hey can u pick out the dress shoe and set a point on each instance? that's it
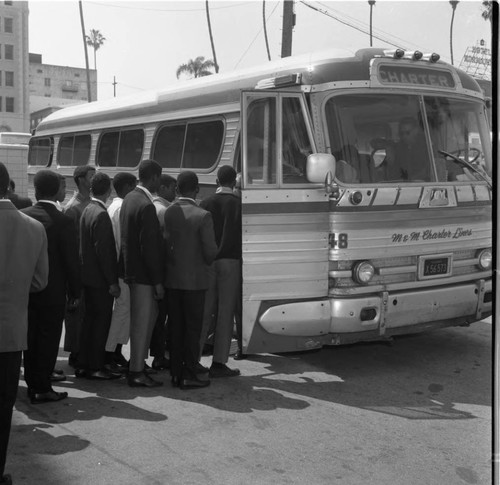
(101, 375)
(201, 372)
(51, 396)
(55, 377)
(222, 370)
(149, 370)
(239, 355)
(141, 379)
(115, 369)
(80, 373)
(193, 383)
(161, 363)
(6, 480)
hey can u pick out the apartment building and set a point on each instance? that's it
(14, 71)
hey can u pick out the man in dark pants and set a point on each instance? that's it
(25, 268)
(158, 346)
(141, 253)
(225, 208)
(100, 280)
(46, 308)
(190, 248)
(82, 176)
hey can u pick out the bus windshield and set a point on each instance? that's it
(384, 138)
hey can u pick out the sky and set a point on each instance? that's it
(147, 41)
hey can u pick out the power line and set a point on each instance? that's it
(255, 38)
(364, 24)
(328, 14)
(116, 5)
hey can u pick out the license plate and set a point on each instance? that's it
(435, 267)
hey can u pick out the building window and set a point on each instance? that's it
(7, 2)
(9, 105)
(39, 71)
(77, 75)
(8, 25)
(9, 78)
(9, 51)
(47, 81)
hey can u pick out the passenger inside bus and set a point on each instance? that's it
(408, 158)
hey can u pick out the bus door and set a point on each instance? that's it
(285, 227)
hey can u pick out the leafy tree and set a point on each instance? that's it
(95, 40)
(198, 67)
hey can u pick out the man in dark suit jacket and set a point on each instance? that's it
(24, 267)
(18, 200)
(141, 251)
(100, 280)
(46, 308)
(82, 176)
(190, 248)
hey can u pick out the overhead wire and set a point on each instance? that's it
(342, 21)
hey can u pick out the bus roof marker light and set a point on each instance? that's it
(431, 57)
(417, 55)
(394, 53)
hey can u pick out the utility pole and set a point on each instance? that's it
(288, 24)
(89, 93)
(114, 86)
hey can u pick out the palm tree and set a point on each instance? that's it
(211, 38)
(453, 4)
(89, 95)
(265, 28)
(487, 13)
(95, 40)
(198, 67)
(371, 3)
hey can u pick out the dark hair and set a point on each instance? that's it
(81, 171)
(4, 179)
(100, 184)
(167, 180)
(121, 180)
(226, 175)
(148, 169)
(46, 184)
(187, 182)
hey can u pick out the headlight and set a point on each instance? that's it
(485, 259)
(363, 272)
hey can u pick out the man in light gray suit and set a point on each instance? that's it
(24, 267)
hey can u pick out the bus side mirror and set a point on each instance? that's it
(318, 166)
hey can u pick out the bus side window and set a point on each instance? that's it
(261, 155)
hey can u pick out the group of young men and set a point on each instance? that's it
(158, 267)
(147, 265)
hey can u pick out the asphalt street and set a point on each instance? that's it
(417, 411)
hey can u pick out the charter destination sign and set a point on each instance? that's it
(415, 75)
(431, 235)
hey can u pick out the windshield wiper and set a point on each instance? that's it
(461, 161)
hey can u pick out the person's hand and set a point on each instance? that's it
(159, 292)
(114, 290)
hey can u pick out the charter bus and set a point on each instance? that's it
(349, 233)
